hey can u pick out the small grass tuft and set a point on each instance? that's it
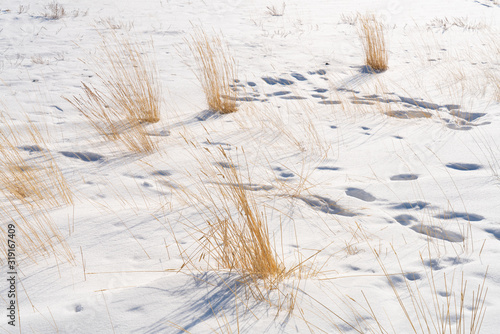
(276, 11)
(55, 11)
(372, 35)
(217, 71)
(130, 96)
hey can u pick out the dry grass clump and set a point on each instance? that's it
(217, 71)
(372, 35)
(26, 181)
(130, 95)
(461, 22)
(55, 11)
(23, 9)
(276, 11)
(236, 236)
(31, 187)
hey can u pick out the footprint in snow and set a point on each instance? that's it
(464, 215)
(321, 90)
(418, 205)
(494, 232)
(298, 76)
(274, 81)
(405, 220)
(463, 166)
(329, 102)
(293, 97)
(327, 168)
(31, 148)
(412, 276)
(161, 172)
(279, 93)
(438, 233)
(360, 194)
(326, 205)
(225, 164)
(84, 156)
(404, 177)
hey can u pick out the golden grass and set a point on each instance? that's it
(130, 96)
(372, 35)
(217, 71)
(236, 236)
(32, 186)
(27, 182)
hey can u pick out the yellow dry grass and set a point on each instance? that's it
(372, 35)
(27, 182)
(236, 236)
(217, 71)
(130, 96)
(31, 186)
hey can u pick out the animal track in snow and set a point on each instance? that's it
(328, 168)
(464, 215)
(494, 232)
(418, 205)
(225, 164)
(329, 102)
(31, 148)
(437, 233)
(463, 166)
(360, 194)
(404, 177)
(279, 93)
(298, 76)
(326, 205)
(161, 173)
(84, 156)
(405, 220)
(274, 81)
(398, 106)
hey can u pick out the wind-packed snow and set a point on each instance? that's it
(380, 185)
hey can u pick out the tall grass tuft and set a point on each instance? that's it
(235, 236)
(371, 32)
(55, 11)
(31, 186)
(217, 71)
(129, 96)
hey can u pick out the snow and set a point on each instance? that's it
(383, 186)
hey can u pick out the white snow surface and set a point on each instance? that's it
(416, 197)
